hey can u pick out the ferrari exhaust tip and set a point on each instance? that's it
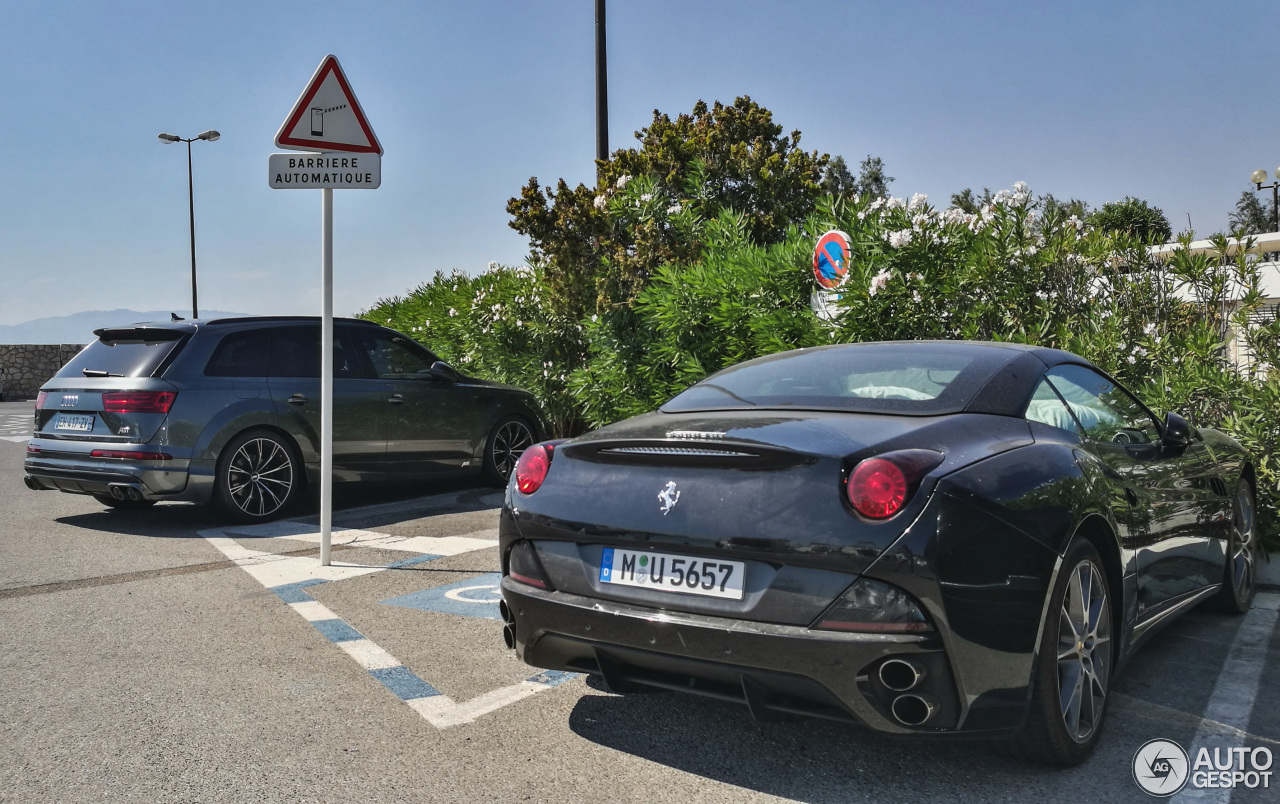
(505, 611)
(914, 710)
(509, 635)
(901, 675)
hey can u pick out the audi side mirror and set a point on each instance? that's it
(443, 371)
(1177, 432)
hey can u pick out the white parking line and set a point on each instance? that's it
(290, 576)
(1231, 703)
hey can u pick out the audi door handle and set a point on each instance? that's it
(395, 399)
(297, 399)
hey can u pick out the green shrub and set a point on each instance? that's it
(1015, 270)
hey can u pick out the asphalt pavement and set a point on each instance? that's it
(165, 656)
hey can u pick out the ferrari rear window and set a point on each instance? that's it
(915, 378)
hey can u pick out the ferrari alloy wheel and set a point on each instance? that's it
(258, 476)
(1084, 631)
(1073, 674)
(507, 442)
(1239, 579)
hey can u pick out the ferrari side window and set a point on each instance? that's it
(1045, 407)
(1104, 410)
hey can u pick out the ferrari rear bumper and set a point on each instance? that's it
(778, 671)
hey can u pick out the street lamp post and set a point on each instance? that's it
(169, 139)
(1257, 178)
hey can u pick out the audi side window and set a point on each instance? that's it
(1105, 411)
(1047, 408)
(295, 352)
(394, 357)
(241, 354)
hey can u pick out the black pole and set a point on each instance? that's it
(1275, 209)
(602, 87)
(191, 207)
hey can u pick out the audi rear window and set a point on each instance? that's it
(125, 352)
(912, 378)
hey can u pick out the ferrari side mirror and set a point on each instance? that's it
(1177, 431)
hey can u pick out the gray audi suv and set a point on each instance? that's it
(228, 412)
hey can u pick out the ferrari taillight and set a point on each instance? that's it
(881, 486)
(877, 488)
(532, 467)
(523, 566)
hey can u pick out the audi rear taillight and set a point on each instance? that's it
(129, 455)
(138, 401)
(532, 467)
(41, 396)
(881, 486)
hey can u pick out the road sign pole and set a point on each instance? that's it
(326, 374)
(342, 151)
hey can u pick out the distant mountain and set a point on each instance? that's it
(78, 328)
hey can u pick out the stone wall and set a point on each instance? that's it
(29, 366)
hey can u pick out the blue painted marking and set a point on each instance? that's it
(553, 678)
(474, 597)
(337, 630)
(403, 683)
(606, 564)
(292, 592)
(409, 562)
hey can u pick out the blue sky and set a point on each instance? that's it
(1096, 100)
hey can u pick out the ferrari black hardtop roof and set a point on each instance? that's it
(1050, 357)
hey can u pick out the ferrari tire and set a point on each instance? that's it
(259, 476)
(1239, 572)
(507, 441)
(1071, 679)
(124, 505)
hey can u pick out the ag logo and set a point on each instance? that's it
(1160, 767)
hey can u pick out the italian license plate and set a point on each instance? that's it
(80, 424)
(671, 573)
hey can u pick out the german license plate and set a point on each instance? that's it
(672, 573)
(80, 424)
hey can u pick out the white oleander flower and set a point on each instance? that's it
(918, 200)
(622, 182)
(599, 202)
(878, 282)
(900, 238)
(453, 313)
(674, 209)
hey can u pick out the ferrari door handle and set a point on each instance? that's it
(297, 399)
(395, 399)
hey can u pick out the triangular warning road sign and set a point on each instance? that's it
(327, 116)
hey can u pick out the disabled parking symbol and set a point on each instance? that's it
(474, 597)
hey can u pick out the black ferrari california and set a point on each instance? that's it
(929, 538)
